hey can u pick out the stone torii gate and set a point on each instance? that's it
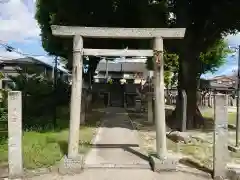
(157, 34)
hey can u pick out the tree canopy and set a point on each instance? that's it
(204, 28)
(210, 61)
(170, 67)
(206, 22)
(214, 57)
(87, 13)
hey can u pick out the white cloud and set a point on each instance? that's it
(233, 40)
(17, 21)
(17, 24)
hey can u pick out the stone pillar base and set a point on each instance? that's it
(71, 166)
(138, 106)
(158, 165)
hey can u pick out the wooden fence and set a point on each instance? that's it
(205, 99)
(208, 100)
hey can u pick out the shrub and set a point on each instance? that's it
(39, 97)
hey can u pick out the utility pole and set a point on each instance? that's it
(55, 70)
(106, 73)
(238, 100)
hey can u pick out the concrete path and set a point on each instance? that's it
(117, 143)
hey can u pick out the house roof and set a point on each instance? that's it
(232, 78)
(29, 60)
(217, 86)
(21, 61)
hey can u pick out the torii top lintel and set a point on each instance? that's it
(110, 32)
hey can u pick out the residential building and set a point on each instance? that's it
(220, 83)
(224, 80)
(11, 67)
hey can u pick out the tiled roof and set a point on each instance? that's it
(233, 77)
(29, 60)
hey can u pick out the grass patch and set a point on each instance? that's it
(199, 152)
(209, 114)
(44, 147)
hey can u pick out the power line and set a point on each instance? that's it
(12, 49)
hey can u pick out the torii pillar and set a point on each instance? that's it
(161, 161)
(76, 96)
(159, 102)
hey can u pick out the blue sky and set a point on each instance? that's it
(20, 30)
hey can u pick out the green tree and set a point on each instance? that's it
(214, 58)
(167, 78)
(170, 66)
(112, 13)
(205, 21)
(210, 61)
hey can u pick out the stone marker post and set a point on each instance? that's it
(124, 100)
(221, 154)
(184, 111)
(150, 97)
(150, 107)
(15, 159)
(138, 106)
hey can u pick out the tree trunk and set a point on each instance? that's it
(188, 81)
(192, 108)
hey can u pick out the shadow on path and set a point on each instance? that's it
(190, 163)
(126, 147)
(116, 142)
